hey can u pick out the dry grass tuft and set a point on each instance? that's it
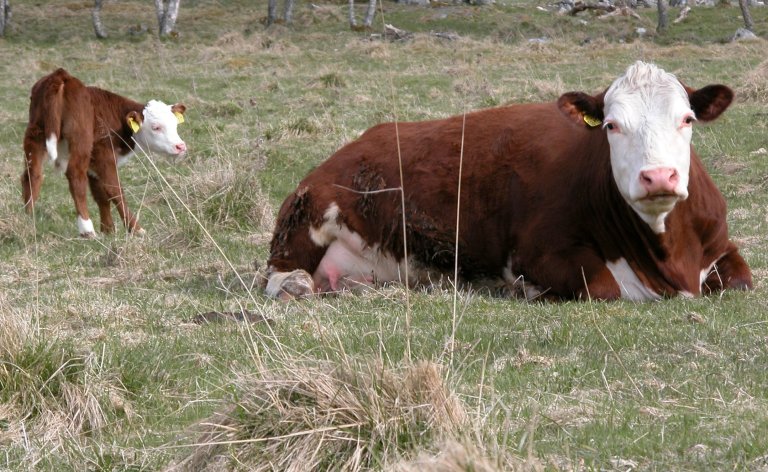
(49, 392)
(755, 85)
(224, 195)
(455, 456)
(325, 416)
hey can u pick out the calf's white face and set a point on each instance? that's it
(648, 121)
(157, 132)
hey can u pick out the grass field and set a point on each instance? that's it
(103, 367)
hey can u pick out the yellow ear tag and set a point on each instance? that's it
(591, 121)
(179, 117)
(134, 126)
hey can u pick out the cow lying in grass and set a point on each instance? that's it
(590, 197)
(88, 132)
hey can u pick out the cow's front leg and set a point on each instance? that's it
(294, 256)
(729, 272)
(576, 273)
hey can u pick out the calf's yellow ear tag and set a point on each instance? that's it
(179, 117)
(591, 121)
(134, 126)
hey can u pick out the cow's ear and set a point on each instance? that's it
(178, 110)
(134, 120)
(586, 110)
(709, 102)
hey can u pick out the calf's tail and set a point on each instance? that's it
(53, 104)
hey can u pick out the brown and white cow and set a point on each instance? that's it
(589, 197)
(88, 132)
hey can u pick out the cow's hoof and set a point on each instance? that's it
(139, 232)
(89, 235)
(290, 285)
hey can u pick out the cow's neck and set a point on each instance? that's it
(622, 233)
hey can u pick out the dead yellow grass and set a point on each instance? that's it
(326, 416)
(754, 86)
(459, 456)
(49, 407)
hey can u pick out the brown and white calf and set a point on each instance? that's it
(589, 197)
(88, 132)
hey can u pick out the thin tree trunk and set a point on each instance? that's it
(271, 12)
(171, 15)
(352, 21)
(167, 13)
(98, 26)
(748, 23)
(370, 13)
(288, 12)
(5, 15)
(160, 10)
(663, 16)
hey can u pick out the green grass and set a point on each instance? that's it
(673, 385)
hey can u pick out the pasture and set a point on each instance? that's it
(104, 364)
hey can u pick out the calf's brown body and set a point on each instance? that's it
(93, 127)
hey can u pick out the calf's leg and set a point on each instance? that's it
(77, 176)
(106, 189)
(32, 177)
(102, 200)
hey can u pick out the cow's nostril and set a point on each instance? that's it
(661, 180)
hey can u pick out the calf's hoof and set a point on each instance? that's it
(289, 285)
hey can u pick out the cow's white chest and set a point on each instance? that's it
(632, 288)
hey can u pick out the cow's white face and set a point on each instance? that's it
(648, 121)
(157, 132)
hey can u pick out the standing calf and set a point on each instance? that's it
(592, 196)
(89, 132)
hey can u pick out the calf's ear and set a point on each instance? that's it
(178, 110)
(585, 110)
(710, 101)
(134, 120)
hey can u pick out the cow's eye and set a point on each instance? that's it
(688, 120)
(157, 127)
(611, 126)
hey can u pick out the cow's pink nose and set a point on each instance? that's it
(659, 181)
(181, 147)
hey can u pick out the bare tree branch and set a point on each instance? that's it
(98, 26)
(579, 7)
(683, 14)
